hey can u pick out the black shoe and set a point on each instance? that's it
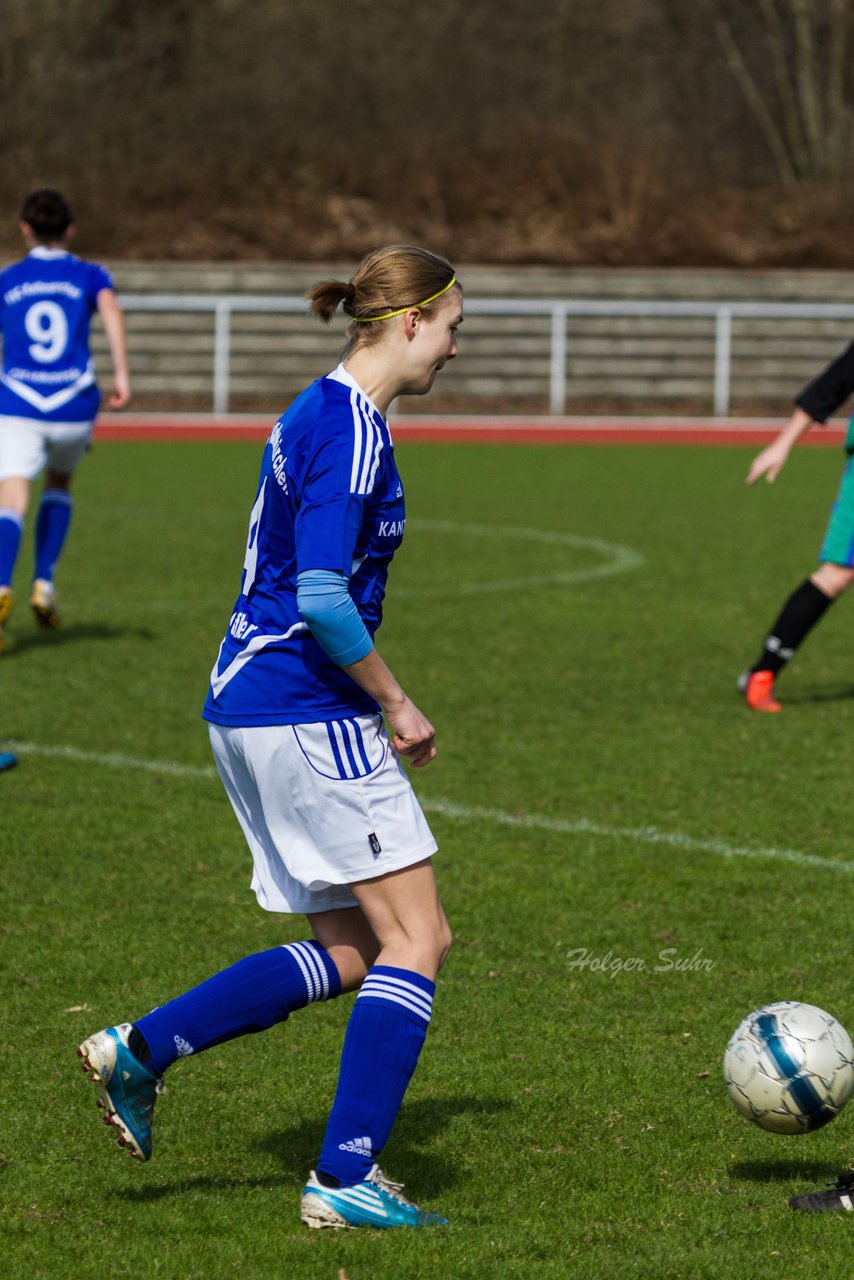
(838, 1197)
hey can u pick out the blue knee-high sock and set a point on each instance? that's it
(52, 521)
(11, 526)
(385, 1033)
(252, 995)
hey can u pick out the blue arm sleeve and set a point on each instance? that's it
(331, 616)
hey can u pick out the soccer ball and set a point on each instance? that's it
(789, 1067)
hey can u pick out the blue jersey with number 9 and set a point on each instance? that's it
(46, 305)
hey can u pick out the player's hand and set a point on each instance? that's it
(769, 463)
(413, 735)
(120, 395)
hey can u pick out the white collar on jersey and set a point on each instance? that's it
(42, 251)
(341, 375)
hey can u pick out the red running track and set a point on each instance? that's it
(753, 432)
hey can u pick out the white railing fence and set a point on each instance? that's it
(224, 306)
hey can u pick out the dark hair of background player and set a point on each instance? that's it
(47, 213)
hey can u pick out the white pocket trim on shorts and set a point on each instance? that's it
(339, 749)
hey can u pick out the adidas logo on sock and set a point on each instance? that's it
(183, 1047)
(359, 1146)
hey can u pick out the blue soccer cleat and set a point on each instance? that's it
(7, 760)
(376, 1202)
(127, 1090)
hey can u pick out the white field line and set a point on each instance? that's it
(616, 558)
(467, 813)
(113, 759)
(639, 835)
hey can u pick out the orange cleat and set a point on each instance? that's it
(758, 690)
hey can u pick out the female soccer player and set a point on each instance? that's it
(809, 602)
(48, 396)
(296, 710)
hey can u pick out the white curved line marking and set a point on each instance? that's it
(466, 813)
(618, 559)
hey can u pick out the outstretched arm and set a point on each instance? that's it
(114, 326)
(770, 462)
(818, 400)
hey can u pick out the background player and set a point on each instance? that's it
(296, 705)
(48, 395)
(809, 602)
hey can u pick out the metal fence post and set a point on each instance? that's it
(723, 353)
(222, 354)
(557, 362)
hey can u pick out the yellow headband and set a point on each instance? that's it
(388, 315)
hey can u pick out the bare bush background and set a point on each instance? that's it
(650, 132)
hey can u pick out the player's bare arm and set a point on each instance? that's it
(770, 462)
(414, 735)
(114, 327)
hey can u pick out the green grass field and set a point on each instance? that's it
(600, 790)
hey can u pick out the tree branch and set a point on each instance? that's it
(783, 76)
(739, 69)
(806, 82)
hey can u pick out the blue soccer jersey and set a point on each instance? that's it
(329, 497)
(46, 305)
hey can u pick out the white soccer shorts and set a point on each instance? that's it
(28, 445)
(322, 806)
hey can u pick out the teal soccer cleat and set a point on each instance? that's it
(376, 1202)
(127, 1090)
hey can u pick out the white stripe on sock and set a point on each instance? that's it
(314, 962)
(407, 1004)
(304, 952)
(309, 980)
(380, 987)
(390, 978)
